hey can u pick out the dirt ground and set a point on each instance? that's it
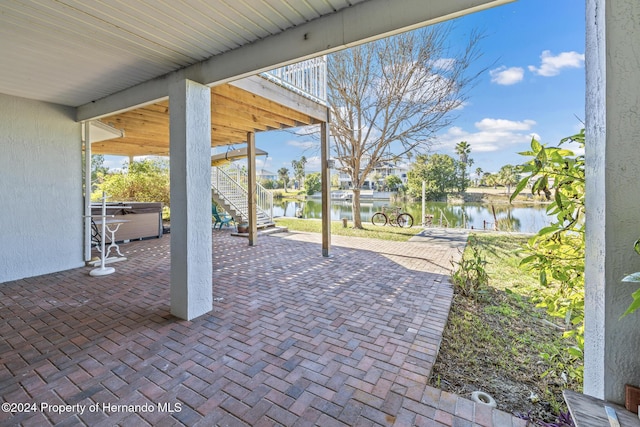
(513, 373)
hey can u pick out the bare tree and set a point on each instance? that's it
(389, 98)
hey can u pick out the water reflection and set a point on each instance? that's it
(521, 218)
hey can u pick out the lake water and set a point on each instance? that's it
(520, 218)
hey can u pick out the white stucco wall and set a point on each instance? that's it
(612, 345)
(41, 204)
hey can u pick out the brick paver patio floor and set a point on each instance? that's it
(294, 339)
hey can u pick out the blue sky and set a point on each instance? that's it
(534, 86)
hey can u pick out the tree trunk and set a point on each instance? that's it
(355, 207)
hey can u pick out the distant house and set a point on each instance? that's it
(375, 180)
(266, 175)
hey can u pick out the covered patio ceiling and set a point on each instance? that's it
(104, 56)
(252, 104)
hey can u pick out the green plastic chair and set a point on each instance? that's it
(221, 218)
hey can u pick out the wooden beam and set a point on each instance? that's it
(266, 89)
(127, 149)
(220, 133)
(273, 119)
(242, 123)
(235, 113)
(325, 177)
(246, 98)
(252, 186)
(263, 119)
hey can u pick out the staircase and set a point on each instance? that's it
(229, 191)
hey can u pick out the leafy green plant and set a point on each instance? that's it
(634, 278)
(312, 183)
(470, 276)
(556, 252)
(166, 213)
(144, 181)
(438, 171)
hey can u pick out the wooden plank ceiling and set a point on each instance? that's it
(234, 113)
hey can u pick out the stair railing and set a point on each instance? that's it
(230, 190)
(232, 185)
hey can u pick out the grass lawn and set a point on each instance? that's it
(499, 342)
(370, 230)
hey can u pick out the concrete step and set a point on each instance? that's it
(264, 231)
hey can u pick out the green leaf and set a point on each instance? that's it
(634, 305)
(575, 351)
(528, 259)
(542, 155)
(558, 198)
(535, 145)
(564, 152)
(547, 230)
(636, 246)
(521, 185)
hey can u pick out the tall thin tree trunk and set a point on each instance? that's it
(355, 207)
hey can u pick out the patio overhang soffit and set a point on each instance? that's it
(252, 104)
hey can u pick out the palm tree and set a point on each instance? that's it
(462, 150)
(298, 170)
(508, 176)
(479, 176)
(283, 174)
(491, 179)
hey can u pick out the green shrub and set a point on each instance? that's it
(469, 276)
(312, 183)
(145, 181)
(557, 252)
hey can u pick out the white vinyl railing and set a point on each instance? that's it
(308, 78)
(232, 183)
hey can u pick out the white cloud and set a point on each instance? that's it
(490, 135)
(313, 164)
(462, 105)
(506, 76)
(503, 125)
(264, 162)
(444, 63)
(309, 130)
(302, 144)
(552, 65)
(115, 163)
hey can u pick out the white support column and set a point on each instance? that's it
(325, 177)
(612, 352)
(190, 162)
(252, 189)
(87, 192)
